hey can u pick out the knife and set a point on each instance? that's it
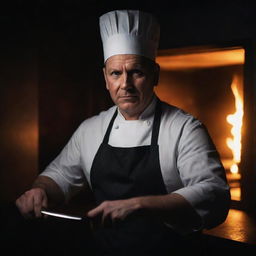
(62, 215)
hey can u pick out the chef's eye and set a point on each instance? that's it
(137, 72)
(115, 73)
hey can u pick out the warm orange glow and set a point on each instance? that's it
(207, 59)
(176, 88)
(236, 120)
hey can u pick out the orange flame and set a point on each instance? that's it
(236, 120)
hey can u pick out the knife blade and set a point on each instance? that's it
(62, 215)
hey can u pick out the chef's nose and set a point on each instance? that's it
(126, 82)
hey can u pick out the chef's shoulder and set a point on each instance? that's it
(185, 129)
(176, 117)
(97, 124)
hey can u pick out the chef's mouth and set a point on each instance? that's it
(128, 96)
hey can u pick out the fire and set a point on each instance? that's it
(236, 120)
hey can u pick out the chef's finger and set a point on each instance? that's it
(106, 218)
(45, 202)
(45, 205)
(95, 212)
(38, 201)
(20, 203)
(28, 203)
(25, 205)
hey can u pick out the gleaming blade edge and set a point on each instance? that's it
(61, 215)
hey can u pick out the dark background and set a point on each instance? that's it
(51, 79)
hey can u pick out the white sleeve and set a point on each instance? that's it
(202, 174)
(66, 169)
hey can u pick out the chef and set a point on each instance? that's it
(154, 171)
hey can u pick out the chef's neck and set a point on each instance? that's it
(132, 114)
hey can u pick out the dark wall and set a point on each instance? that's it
(52, 59)
(71, 86)
(206, 22)
(18, 109)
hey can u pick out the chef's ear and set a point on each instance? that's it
(105, 77)
(156, 74)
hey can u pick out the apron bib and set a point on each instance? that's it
(122, 173)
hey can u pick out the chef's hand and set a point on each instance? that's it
(114, 210)
(31, 202)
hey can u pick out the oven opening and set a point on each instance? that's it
(208, 83)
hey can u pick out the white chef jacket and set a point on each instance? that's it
(189, 162)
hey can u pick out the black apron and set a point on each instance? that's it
(122, 173)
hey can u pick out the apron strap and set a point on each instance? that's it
(106, 137)
(156, 124)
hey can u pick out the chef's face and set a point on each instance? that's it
(130, 80)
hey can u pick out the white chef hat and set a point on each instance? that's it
(129, 32)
